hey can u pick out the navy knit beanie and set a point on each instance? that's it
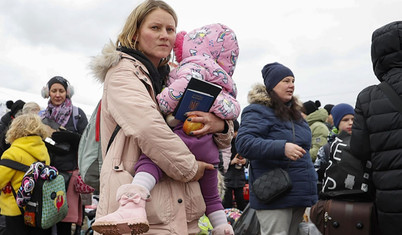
(339, 111)
(273, 73)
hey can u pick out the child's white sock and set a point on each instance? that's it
(217, 218)
(144, 179)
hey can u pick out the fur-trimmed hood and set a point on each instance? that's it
(100, 64)
(259, 95)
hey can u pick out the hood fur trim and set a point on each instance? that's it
(100, 64)
(259, 95)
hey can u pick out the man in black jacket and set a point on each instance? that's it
(377, 127)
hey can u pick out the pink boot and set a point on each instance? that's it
(223, 229)
(130, 217)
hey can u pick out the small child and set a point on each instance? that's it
(343, 120)
(339, 172)
(235, 179)
(208, 53)
(26, 135)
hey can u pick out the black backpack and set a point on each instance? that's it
(346, 177)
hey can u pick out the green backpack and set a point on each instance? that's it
(89, 151)
(47, 204)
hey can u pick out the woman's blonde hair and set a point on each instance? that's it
(135, 20)
(31, 107)
(26, 125)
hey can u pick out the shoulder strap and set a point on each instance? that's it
(116, 130)
(76, 116)
(97, 129)
(392, 95)
(97, 122)
(15, 165)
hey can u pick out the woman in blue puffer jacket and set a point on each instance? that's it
(273, 134)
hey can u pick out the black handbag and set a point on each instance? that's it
(271, 185)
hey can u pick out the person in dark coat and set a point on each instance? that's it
(274, 134)
(235, 179)
(377, 127)
(5, 121)
(67, 122)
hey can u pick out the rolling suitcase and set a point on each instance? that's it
(333, 217)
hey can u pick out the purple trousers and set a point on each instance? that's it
(204, 149)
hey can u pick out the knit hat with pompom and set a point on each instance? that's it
(15, 106)
(178, 46)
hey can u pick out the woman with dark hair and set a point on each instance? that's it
(60, 112)
(274, 134)
(67, 122)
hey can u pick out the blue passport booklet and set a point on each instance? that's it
(198, 96)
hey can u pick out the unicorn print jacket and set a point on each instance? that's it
(208, 53)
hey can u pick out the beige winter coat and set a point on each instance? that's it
(128, 100)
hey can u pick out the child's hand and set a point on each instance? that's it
(202, 166)
(171, 121)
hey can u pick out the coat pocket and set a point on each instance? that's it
(195, 205)
(160, 208)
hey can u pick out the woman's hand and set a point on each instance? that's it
(212, 123)
(294, 151)
(202, 166)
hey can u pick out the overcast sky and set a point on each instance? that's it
(325, 43)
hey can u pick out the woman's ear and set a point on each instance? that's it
(135, 38)
(135, 42)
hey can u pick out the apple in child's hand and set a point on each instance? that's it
(190, 126)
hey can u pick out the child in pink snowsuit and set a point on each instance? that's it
(208, 53)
